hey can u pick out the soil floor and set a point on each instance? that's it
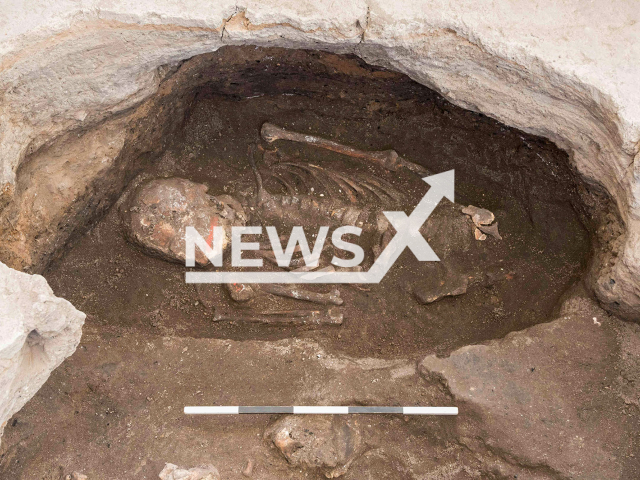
(121, 378)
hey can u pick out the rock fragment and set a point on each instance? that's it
(158, 212)
(37, 332)
(173, 472)
(432, 290)
(328, 443)
(545, 395)
(76, 476)
(247, 471)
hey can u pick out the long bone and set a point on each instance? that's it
(271, 258)
(293, 291)
(388, 159)
(332, 316)
(241, 292)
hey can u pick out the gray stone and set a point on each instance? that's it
(37, 332)
(550, 396)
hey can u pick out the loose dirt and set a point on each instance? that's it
(134, 300)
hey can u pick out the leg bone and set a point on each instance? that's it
(293, 291)
(331, 316)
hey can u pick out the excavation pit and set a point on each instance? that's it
(525, 181)
(138, 304)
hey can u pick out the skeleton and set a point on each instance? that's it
(388, 159)
(357, 200)
(365, 193)
(334, 210)
(295, 209)
(351, 206)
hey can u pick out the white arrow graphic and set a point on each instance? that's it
(408, 236)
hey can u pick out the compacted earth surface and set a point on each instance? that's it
(153, 344)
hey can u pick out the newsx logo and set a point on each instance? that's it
(407, 236)
(283, 256)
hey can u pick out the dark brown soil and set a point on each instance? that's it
(133, 301)
(525, 181)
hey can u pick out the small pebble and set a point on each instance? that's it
(248, 467)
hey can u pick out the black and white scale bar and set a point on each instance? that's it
(321, 410)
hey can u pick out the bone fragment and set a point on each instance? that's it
(491, 230)
(247, 471)
(241, 292)
(479, 235)
(480, 216)
(308, 268)
(332, 316)
(293, 291)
